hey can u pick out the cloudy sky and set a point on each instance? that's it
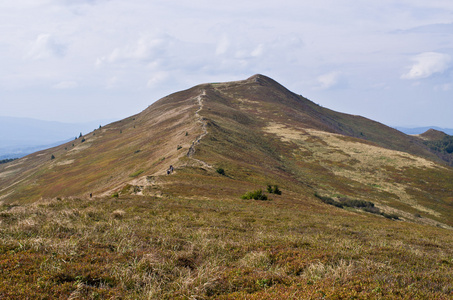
(85, 60)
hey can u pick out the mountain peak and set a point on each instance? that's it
(433, 135)
(262, 80)
(257, 77)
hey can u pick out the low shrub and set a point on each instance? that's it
(255, 195)
(356, 203)
(366, 206)
(328, 200)
(273, 189)
(220, 171)
(373, 210)
(389, 216)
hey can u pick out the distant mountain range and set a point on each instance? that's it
(22, 136)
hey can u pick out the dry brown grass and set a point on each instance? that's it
(178, 248)
(359, 162)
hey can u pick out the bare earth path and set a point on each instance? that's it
(201, 120)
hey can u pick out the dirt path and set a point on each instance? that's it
(204, 128)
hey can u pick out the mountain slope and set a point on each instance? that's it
(259, 133)
(354, 219)
(107, 157)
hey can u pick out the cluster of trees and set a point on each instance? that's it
(443, 148)
(444, 145)
(4, 161)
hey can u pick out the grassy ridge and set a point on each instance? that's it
(379, 228)
(210, 249)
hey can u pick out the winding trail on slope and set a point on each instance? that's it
(204, 129)
(143, 181)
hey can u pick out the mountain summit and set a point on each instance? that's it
(256, 132)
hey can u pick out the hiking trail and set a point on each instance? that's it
(204, 129)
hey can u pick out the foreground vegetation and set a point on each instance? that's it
(174, 248)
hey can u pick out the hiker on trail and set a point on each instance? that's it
(170, 170)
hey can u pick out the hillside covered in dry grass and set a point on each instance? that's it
(365, 211)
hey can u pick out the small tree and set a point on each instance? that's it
(52, 157)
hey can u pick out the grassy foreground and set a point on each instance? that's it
(170, 248)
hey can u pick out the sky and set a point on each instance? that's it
(86, 60)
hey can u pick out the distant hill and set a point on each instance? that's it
(433, 135)
(22, 136)
(420, 130)
(21, 151)
(440, 143)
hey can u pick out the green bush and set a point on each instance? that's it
(220, 171)
(255, 195)
(273, 189)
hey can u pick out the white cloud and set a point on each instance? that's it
(331, 80)
(444, 87)
(258, 51)
(222, 46)
(157, 79)
(144, 49)
(64, 85)
(46, 46)
(427, 64)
